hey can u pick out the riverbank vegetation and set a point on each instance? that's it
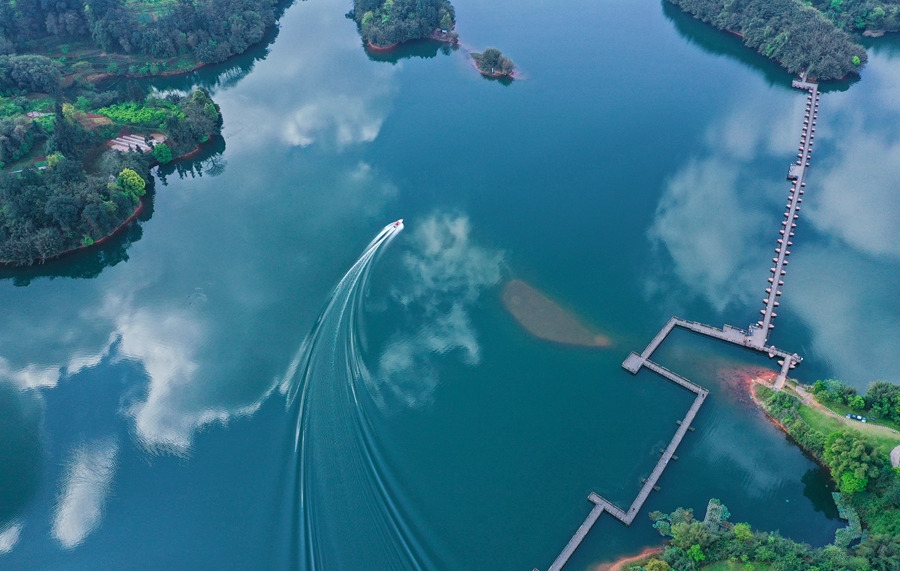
(868, 498)
(62, 186)
(715, 543)
(795, 34)
(389, 22)
(133, 37)
(857, 459)
(492, 63)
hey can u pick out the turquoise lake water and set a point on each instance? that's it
(635, 171)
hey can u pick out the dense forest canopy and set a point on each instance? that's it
(797, 35)
(696, 544)
(209, 30)
(394, 21)
(861, 15)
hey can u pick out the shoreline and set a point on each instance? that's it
(377, 48)
(137, 212)
(441, 40)
(619, 564)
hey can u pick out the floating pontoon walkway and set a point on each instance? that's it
(601, 504)
(755, 337)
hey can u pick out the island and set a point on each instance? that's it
(795, 34)
(492, 63)
(383, 25)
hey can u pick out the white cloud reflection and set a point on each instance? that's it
(348, 97)
(88, 477)
(9, 536)
(719, 213)
(31, 376)
(448, 272)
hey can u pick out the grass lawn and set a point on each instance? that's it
(877, 435)
(843, 409)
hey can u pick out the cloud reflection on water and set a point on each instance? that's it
(89, 473)
(718, 216)
(347, 99)
(448, 272)
(9, 536)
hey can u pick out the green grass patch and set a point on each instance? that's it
(843, 409)
(827, 424)
(821, 422)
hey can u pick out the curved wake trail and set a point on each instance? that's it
(346, 515)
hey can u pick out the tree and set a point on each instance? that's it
(848, 453)
(131, 182)
(883, 398)
(696, 553)
(162, 153)
(856, 402)
(493, 61)
(742, 532)
(851, 483)
(657, 565)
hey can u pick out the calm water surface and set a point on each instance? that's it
(635, 171)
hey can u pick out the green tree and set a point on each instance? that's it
(656, 565)
(696, 553)
(131, 182)
(856, 402)
(849, 453)
(162, 153)
(742, 532)
(855, 60)
(851, 483)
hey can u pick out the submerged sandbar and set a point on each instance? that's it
(544, 318)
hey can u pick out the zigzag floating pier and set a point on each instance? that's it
(754, 337)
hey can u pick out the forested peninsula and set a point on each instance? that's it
(389, 22)
(133, 37)
(796, 34)
(77, 162)
(75, 152)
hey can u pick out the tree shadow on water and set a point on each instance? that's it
(425, 49)
(86, 263)
(503, 80)
(210, 161)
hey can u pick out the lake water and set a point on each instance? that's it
(170, 399)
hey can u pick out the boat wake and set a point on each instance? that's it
(346, 512)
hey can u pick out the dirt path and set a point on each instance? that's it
(809, 400)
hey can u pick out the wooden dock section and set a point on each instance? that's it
(601, 504)
(582, 531)
(797, 175)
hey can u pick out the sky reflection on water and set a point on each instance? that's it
(196, 329)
